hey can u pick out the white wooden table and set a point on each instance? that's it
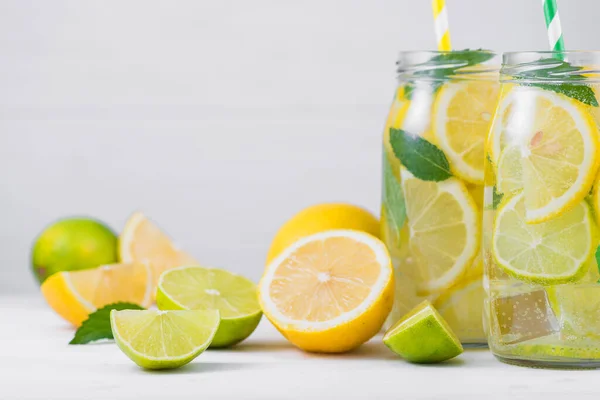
(37, 363)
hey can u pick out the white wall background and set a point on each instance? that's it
(219, 118)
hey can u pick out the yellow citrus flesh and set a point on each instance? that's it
(501, 123)
(319, 218)
(142, 241)
(444, 226)
(329, 292)
(553, 143)
(462, 308)
(74, 295)
(462, 116)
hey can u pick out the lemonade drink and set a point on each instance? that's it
(541, 211)
(433, 183)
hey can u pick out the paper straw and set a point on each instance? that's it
(440, 19)
(555, 36)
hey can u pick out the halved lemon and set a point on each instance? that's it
(444, 226)
(329, 292)
(462, 115)
(142, 241)
(462, 308)
(76, 294)
(557, 144)
(551, 252)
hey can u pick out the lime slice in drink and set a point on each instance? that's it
(552, 348)
(551, 252)
(422, 336)
(577, 308)
(198, 288)
(163, 339)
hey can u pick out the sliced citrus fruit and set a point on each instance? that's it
(76, 294)
(198, 288)
(142, 241)
(163, 339)
(510, 171)
(462, 308)
(577, 308)
(558, 146)
(551, 252)
(329, 292)
(462, 115)
(423, 336)
(444, 226)
(503, 123)
(319, 218)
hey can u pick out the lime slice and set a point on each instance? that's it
(198, 288)
(163, 339)
(551, 252)
(555, 349)
(423, 336)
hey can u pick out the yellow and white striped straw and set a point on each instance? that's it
(440, 19)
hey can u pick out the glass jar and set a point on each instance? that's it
(541, 211)
(433, 183)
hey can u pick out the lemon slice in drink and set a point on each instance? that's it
(558, 146)
(76, 294)
(503, 123)
(462, 308)
(163, 339)
(510, 171)
(329, 292)
(198, 288)
(444, 226)
(462, 115)
(142, 241)
(422, 336)
(551, 252)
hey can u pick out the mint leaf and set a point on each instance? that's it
(97, 326)
(393, 198)
(552, 69)
(443, 66)
(422, 158)
(496, 198)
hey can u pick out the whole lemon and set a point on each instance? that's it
(319, 218)
(72, 244)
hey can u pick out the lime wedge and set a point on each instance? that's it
(163, 339)
(551, 252)
(198, 288)
(422, 336)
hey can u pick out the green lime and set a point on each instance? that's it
(72, 244)
(551, 252)
(558, 349)
(422, 336)
(198, 288)
(163, 339)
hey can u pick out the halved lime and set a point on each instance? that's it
(199, 288)
(163, 339)
(422, 336)
(551, 252)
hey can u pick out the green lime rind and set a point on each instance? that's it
(156, 339)
(423, 336)
(557, 352)
(72, 244)
(235, 297)
(566, 239)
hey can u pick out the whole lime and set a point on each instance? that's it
(72, 244)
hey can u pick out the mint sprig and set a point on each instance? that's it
(393, 198)
(97, 326)
(443, 66)
(552, 69)
(422, 158)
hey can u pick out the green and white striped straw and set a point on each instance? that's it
(555, 35)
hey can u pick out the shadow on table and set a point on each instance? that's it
(203, 367)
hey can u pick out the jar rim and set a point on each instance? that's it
(432, 65)
(571, 66)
